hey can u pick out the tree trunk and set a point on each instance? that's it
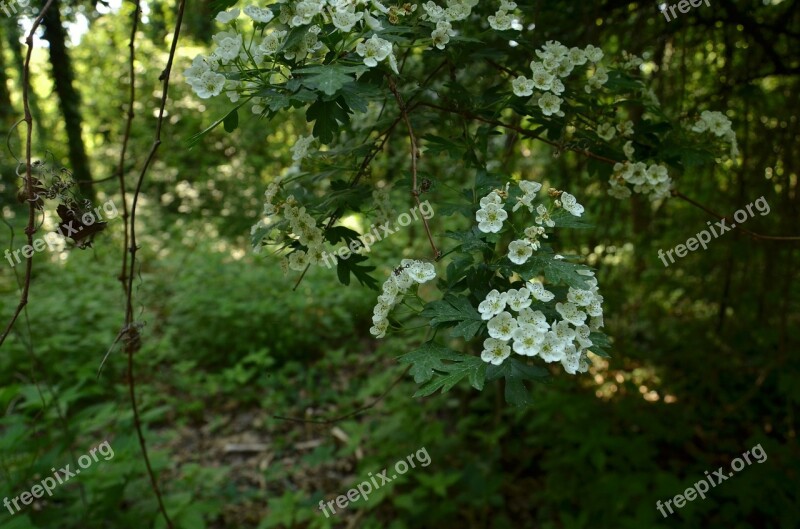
(69, 98)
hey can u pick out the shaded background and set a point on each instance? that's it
(704, 361)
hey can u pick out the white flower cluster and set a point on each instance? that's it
(243, 65)
(566, 341)
(491, 215)
(409, 273)
(653, 180)
(556, 62)
(718, 124)
(303, 226)
(443, 18)
(301, 146)
(503, 20)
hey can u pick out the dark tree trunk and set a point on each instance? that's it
(68, 97)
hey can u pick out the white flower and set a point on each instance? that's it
(490, 218)
(298, 260)
(628, 150)
(374, 50)
(571, 360)
(550, 104)
(569, 203)
(571, 313)
(551, 349)
(378, 330)
(579, 297)
(543, 216)
(300, 148)
(422, 272)
(228, 46)
(345, 17)
(519, 251)
(625, 129)
(502, 326)
(495, 351)
(500, 21)
(535, 318)
(491, 198)
(493, 304)
(441, 35)
(527, 340)
(519, 299)
(577, 56)
(606, 131)
(209, 84)
(223, 17)
(539, 292)
(563, 331)
(522, 86)
(272, 43)
(593, 54)
(258, 14)
(434, 13)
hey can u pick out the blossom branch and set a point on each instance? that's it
(589, 154)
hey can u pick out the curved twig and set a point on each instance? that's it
(29, 188)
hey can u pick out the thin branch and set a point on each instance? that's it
(352, 413)
(132, 342)
(713, 213)
(414, 155)
(29, 188)
(121, 168)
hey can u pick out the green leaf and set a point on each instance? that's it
(294, 38)
(326, 116)
(194, 140)
(338, 233)
(352, 265)
(600, 344)
(516, 373)
(426, 359)
(470, 240)
(556, 271)
(467, 366)
(231, 121)
(454, 310)
(329, 79)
